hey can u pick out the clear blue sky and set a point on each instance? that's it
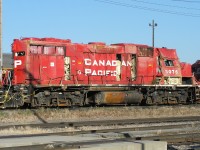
(110, 21)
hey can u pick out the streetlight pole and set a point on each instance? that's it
(153, 25)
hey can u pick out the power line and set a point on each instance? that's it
(158, 4)
(187, 1)
(147, 8)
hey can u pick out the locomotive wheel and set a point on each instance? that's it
(69, 102)
(34, 102)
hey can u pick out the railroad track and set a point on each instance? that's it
(171, 138)
(172, 130)
(114, 130)
(189, 119)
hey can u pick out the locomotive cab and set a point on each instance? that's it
(168, 67)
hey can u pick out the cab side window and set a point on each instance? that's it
(21, 53)
(169, 62)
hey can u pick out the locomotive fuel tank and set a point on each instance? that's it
(125, 97)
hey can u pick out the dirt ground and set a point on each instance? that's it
(22, 116)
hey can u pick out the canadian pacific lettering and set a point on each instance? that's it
(99, 63)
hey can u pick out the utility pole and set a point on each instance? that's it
(1, 53)
(153, 25)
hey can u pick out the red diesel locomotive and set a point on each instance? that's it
(56, 72)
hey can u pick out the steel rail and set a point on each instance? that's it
(113, 130)
(105, 122)
(172, 138)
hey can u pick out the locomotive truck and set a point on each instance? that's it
(56, 72)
